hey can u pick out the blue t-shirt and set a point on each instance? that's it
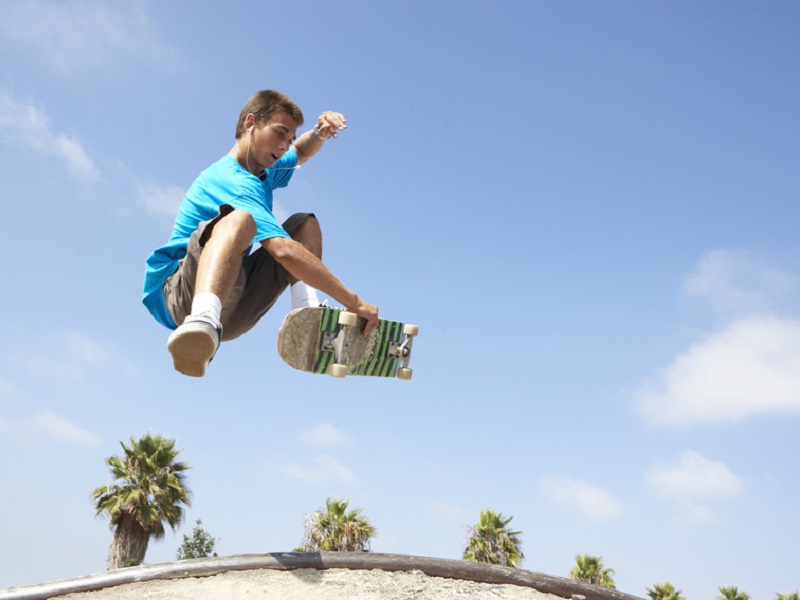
(224, 182)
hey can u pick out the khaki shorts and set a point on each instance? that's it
(261, 280)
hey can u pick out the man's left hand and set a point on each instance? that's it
(329, 124)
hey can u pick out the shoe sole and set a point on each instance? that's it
(192, 350)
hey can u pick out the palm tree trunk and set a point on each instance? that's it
(129, 544)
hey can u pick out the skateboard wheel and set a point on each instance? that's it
(347, 318)
(410, 330)
(404, 374)
(337, 370)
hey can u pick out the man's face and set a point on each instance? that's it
(270, 141)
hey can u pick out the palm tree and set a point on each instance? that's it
(790, 596)
(148, 491)
(665, 591)
(334, 529)
(732, 593)
(589, 569)
(490, 541)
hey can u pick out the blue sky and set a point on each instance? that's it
(589, 208)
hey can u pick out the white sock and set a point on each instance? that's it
(303, 295)
(208, 305)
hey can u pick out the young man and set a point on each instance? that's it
(205, 283)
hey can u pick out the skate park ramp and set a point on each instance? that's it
(323, 575)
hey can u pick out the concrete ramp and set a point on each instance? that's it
(311, 576)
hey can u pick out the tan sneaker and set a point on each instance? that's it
(193, 345)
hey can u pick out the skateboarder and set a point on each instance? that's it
(206, 284)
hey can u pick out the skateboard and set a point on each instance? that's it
(329, 340)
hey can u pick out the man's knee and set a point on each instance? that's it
(309, 233)
(240, 221)
(237, 225)
(308, 227)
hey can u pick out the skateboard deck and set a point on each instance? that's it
(328, 340)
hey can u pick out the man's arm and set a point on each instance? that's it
(328, 125)
(303, 265)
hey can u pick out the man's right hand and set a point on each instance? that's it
(368, 311)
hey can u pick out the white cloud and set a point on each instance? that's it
(735, 281)
(692, 477)
(27, 126)
(592, 502)
(752, 367)
(698, 514)
(50, 426)
(63, 430)
(72, 356)
(324, 434)
(691, 482)
(161, 201)
(89, 355)
(81, 35)
(325, 469)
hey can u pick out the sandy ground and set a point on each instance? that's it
(312, 584)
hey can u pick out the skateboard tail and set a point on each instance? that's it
(381, 364)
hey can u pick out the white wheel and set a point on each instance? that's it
(337, 370)
(410, 330)
(347, 318)
(404, 374)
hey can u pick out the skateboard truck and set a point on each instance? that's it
(403, 351)
(334, 342)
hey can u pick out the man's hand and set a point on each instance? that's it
(366, 310)
(329, 124)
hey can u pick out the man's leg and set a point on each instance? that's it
(308, 233)
(222, 254)
(265, 279)
(194, 343)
